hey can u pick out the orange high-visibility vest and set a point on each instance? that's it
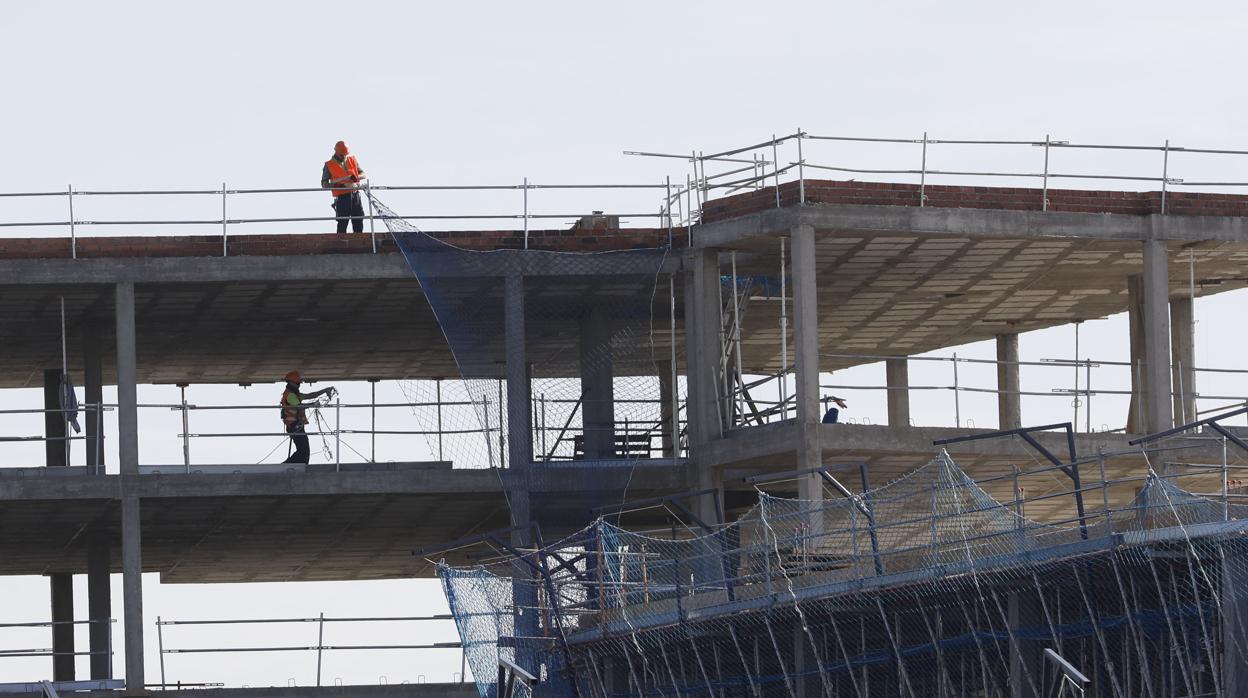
(290, 412)
(337, 173)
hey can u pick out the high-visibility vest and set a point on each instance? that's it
(338, 171)
(290, 401)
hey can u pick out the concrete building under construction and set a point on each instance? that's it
(636, 487)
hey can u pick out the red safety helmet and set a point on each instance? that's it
(294, 377)
(340, 148)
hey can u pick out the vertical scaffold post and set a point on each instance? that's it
(1165, 173)
(502, 427)
(225, 232)
(1044, 189)
(667, 204)
(73, 235)
(337, 434)
(372, 419)
(160, 649)
(923, 174)
(372, 220)
(775, 165)
(525, 187)
(801, 170)
(739, 407)
(437, 382)
(957, 392)
(186, 430)
(320, 645)
(675, 373)
(784, 334)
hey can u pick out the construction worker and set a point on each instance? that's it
(833, 414)
(295, 417)
(343, 175)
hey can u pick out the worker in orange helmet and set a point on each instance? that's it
(343, 175)
(295, 417)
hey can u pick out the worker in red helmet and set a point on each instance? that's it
(295, 417)
(342, 174)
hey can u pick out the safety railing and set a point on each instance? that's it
(319, 646)
(52, 626)
(93, 446)
(841, 538)
(1084, 383)
(795, 156)
(519, 212)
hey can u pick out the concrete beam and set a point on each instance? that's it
(1158, 414)
(806, 358)
(897, 378)
(316, 268)
(990, 223)
(63, 633)
(1009, 401)
(775, 221)
(1183, 359)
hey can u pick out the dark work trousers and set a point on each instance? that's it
(349, 206)
(300, 439)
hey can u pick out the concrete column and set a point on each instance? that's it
(100, 605)
(806, 358)
(703, 360)
(128, 462)
(1009, 402)
(1234, 609)
(1026, 656)
(56, 451)
(597, 391)
(807, 683)
(897, 378)
(127, 382)
(61, 584)
(93, 386)
(666, 391)
(62, 635)
(1183, 359)
(519, 416)
(703, 352)
(1158, 406)
(519, 461)
(1135, 326)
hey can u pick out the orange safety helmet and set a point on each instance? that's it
(340, 148)
(294, 377)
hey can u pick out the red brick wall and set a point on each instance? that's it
(1011, 198)
(329, 243)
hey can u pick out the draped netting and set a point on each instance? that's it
(924, 586)
(600, 344)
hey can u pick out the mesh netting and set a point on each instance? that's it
(599, 339)
(923, 587)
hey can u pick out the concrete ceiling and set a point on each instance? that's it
(296, 527)
(882, 293)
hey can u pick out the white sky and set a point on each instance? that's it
(173, 95)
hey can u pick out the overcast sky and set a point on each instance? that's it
(128, 95)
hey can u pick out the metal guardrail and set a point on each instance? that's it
(758, 410)
(641, 438)
(319, 647)
(524, 215)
